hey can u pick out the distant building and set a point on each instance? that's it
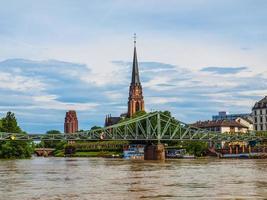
(222, 126)
(71, 122)
(111, 120)
(259, 114)
(224, 115)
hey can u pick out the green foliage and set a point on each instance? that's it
(97, 154)
(52, 144)
(59, 145)
(53, 132)
(196, 148)
(13, 149)
(69, 149)
(16, 149)
(261, 133)
(59, 153)
(137, 114)
(9, 124)
(95, 127)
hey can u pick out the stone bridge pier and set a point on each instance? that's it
(154, 152)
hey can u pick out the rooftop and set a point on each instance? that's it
(218, 123)
(261, 104)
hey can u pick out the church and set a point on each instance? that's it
(136, 100)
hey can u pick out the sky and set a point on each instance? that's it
(196, 58)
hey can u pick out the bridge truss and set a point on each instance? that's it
(155, 126)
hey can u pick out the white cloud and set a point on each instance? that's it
(162, 100)
(19, 83)
(50, 102)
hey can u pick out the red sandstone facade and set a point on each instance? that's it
(136, 99)
(71, 122)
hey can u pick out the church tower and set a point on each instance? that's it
(71, 122)
(136, 99)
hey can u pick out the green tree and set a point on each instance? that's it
(95, 127)
(13, 148)
(52, 143)
(9, 124)
(53, 132)
(197, 148)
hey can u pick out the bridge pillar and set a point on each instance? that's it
(236, 150)
(154, 152)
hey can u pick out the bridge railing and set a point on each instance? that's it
(155, 126)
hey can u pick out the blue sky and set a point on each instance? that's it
(195, 57)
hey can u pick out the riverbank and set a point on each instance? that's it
(104, 154)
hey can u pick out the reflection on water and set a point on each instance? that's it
(100, 178)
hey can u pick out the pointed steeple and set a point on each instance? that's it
(135, 71)
(136, 100)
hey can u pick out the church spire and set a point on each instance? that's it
(136, 99)
(135, 71)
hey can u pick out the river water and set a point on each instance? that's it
(101, 178)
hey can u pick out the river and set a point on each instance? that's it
(101, 178)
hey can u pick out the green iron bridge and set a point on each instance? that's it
(155, 126)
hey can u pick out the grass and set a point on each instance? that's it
(59, 153)
(96, 154)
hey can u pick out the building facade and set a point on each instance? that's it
(224, 115)
(247, 122)
(259, 114)
(71, 122)
(111, 120)
(136, 99)
(222, 126)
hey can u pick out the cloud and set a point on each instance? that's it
(40, 92)
(224, 70)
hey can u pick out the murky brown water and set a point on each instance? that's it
(99, 178)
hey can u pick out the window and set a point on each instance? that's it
(255, 112)
(261, 127)
(261, 119)
(261, 112)
(255, 119)
(255, 127)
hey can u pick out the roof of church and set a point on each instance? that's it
(261, 104)
(135, 71)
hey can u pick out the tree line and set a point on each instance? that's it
(12, 148)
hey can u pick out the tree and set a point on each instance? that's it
(53, 132)
(52, 143)
(12, 148)
(95, 127)
(9, 124)
(197, 148)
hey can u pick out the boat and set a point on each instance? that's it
(134, 152)
(178, 153)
